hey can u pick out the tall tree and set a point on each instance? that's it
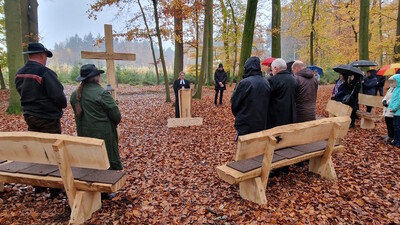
(276, 29)
(3, 53)
(248, 33)
(210, 40)
(235, 42)
(14, 49)
(397, 44)
(168, 98)
(364, 31)
(178, 31)
(29, 22)
(225, 37)
(312, 33)
(151, 42)
(204, 54)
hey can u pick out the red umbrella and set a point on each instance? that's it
(268, 61)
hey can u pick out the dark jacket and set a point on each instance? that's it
(99, 119)
(251, 99)
(220, 76)
(354, 88)
(306, 95)
(282, 109)
(177, 86)
(369, 85)
(42, 94)
(342, 90)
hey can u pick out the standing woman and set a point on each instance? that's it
(220, 79)
(353, 89)
(96, 113)
(341, 86)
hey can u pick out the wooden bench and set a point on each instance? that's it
(335, 108)
(259, 153)
(368, 118)
(77, 164)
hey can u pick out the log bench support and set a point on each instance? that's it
(368, 119)
(252, 183)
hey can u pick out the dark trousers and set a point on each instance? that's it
(396, 125)
(380, 90)
(389, 126)
(43, 125)
(353, 116)
(220, 96)
(177, 114)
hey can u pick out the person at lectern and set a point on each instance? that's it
(180, 83)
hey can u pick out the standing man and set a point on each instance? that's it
(180, 83)
(220, 79)
(306, 92)
(282, 109)
(251, 100)
(42, 94)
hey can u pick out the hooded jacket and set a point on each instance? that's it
(250, 101)
(220, 76)
(388, 98)
(394, 104)
(306, 95)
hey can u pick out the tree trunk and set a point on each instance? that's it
(197, 46)
(2, 83)
(210, 46)
(151, 42)
(204, 53)
(363, 31)
(235, 42)
(312, 33)
(178, 27)
(225, 37)
(29, 23)
(14, 48)
(276, 29)
(248, 33)
(397, 44)
(167, 95)
(380, 33)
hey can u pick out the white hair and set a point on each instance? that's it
(279, 63)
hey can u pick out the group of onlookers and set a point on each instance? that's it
(284, 98)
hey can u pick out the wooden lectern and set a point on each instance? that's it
(185, 111)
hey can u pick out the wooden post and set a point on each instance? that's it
(109, 55)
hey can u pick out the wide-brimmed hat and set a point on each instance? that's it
(88, 71)
(36, 47)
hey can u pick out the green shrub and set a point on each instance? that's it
(329, 77)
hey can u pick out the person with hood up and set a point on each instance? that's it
(282, 108)
(369, 84)
(251, 99)
(220, 79)
(387, 113)
(394, 107)
(306, 92)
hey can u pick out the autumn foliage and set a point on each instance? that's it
(172, 176)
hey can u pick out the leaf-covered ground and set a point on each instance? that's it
(172, 176)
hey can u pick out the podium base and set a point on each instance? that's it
(184, 122)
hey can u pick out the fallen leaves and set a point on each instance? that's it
(172, 177)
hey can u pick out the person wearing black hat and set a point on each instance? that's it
(96, 113)
(42, 94)
(220, 79)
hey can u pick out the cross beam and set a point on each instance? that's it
(109, 55)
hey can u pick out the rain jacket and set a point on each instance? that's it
(282, 109)
(395, 101)
(354, 88)
(341, 91)
(251, 99)
(387, 98)
(220, 76)
(369, 85)
(99, 119)
(306, 95)
(42, 94)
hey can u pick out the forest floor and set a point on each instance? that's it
(173, 180)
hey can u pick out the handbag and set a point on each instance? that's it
(347, 98)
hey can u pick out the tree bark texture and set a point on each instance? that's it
(178, 27)
(210, 45)
(363, 30)
(397, 44)
(312, 33)
(29, 23)
(276, 29)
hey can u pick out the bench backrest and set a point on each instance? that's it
(38, 148)
(335, 108)
(370, 100)
(254, 144)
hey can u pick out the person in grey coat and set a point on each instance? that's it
(306, 92)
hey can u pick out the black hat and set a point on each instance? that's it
(220, 65)
(88, 71)
(36, 47)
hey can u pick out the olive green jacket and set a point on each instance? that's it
(99, 119)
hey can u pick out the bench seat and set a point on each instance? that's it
(368, 119)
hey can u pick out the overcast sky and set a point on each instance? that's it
(60, 19)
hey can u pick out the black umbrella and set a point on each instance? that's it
(348, 70)
(363, 63)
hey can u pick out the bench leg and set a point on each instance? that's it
(253, 190)
(367, 124)
(326, 170)
(85, 204)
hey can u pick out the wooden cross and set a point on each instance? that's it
(109, 55)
